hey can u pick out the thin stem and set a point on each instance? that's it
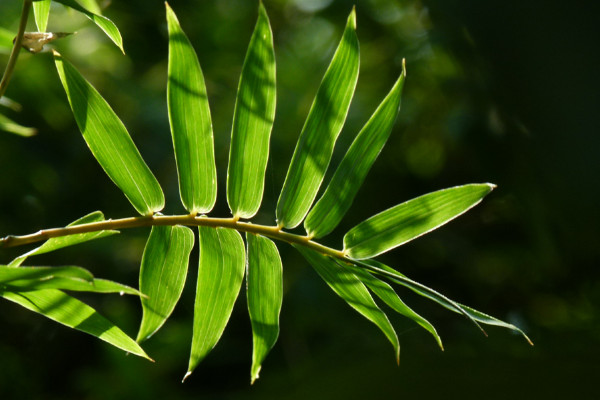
(170, 220)
(12, 61)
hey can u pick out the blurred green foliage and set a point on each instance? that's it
(496, 91)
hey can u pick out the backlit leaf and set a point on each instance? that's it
(220, 275)
(321, 129)
(265, 294)
(110, 142)
(162, 275)
(8, 125)
(407, 221)
(41, 12)
(252, 123)
(337, 199)
(191, 126)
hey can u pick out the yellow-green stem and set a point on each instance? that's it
(12, 61)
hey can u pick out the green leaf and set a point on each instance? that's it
(321, 129)
(91, 5)
(220, 275)
(66, 241)
(349, 287)
(162, 275)
(191, 126)
(8, 125)
(407, 221)
(385, 292)
(252, 123)
(110, 142)
(340, 193)
(265, 294)
(41, 12)
(6, 38)
(103, 23)
(71, 312)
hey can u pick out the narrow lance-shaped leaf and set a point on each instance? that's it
(110, 142)
(252, 123)
(265, 294)
(66, 241)
(8, 125)
(103, 23)
(91, 5)
(71, 312)
(321, 129)
(191, 126)
(349, 176)
(162, 275)
(386, 293)
(41, 12)
(407, 221)
(349, 287)
(220, 275)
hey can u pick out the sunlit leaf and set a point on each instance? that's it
(265, 294)
(407, 221)
(41, 12)
(71, 312)
(103, 23)
(349, 287)
(220, 275)
(110, 142)
(321, 129)
(252, 123)
(162, 275)
(8, 125)
(66, 241)
(91, 5)
(191, 126)
(339, 195)
(385, 292)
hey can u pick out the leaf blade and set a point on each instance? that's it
(190, 121)
(252, 122)
(41, 12)
(220, 274)
(349, 176)
(109, 141)
(264, 278)
(75, 314)
(10, 126)
(321, 129)
(162, 275)
(409, 220)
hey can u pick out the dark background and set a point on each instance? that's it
(497, 91)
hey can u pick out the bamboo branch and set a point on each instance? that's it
(14, 55)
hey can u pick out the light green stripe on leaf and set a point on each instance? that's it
(103, 23)
(66, 241)
(162, 275)
(321, 129)
(349, 287)
(265, 295)
(41, 12)
(71, 312)
(252, 123)
(220, 275)
(407, 221)
(109, 141)
(340, 193)
(191, 126)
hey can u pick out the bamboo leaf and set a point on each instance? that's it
(265, 294)
(349, 287)
(339, 195)
(220, 275)
(191, 126)
(66, 241)
(162, 275)
(8, 125)
(6, 44)
(252, 123)
(321, 129)
(386, 293)
(91, 5)
(110, 142)
(407, 221)
(41, 12)
(71, 312)
(103, 23)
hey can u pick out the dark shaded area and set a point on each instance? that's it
(496, 91)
